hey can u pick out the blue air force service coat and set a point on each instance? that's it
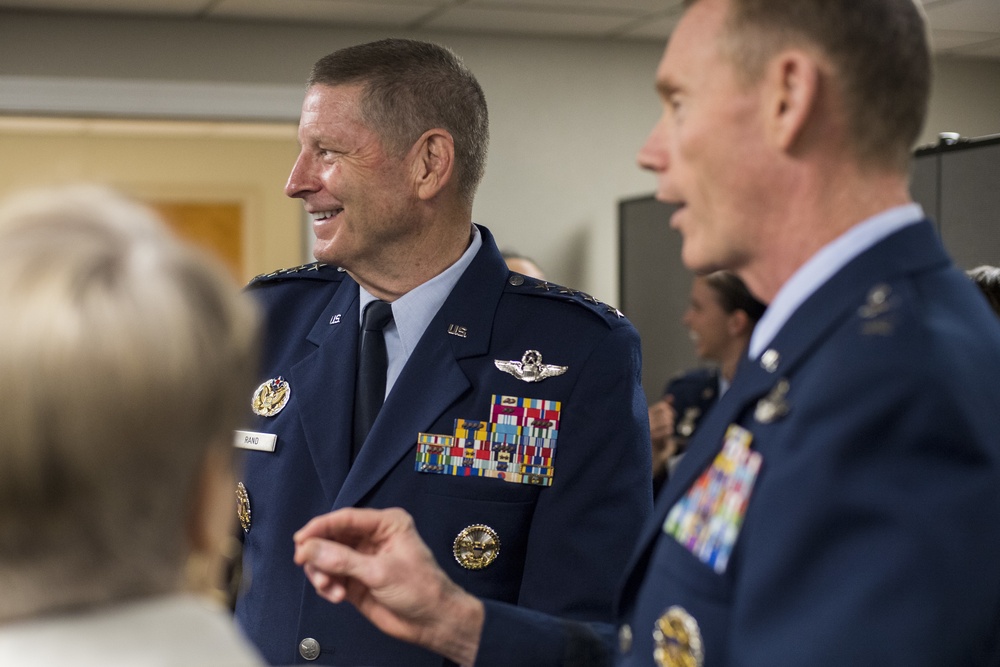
(839, 504)
(530, 493)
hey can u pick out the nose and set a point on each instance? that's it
(653, 154)
(300, 181)
(686, 318)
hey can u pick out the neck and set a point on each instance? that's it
(423, 256)
(819, 208)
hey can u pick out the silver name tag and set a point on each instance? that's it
(261, 442)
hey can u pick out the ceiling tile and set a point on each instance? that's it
(538, 22)
(658, 28)
(349, 12)
(947, 40)
(627, 6)
(984, 49)
(148, 7)
(970, 15)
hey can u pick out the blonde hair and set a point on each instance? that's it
(126, 356)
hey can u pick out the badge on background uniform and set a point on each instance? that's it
(707, 520)
(271, 397)
(677, 640)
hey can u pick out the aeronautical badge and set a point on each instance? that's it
(677, 640)
(476, 547)
(773, 406)
(530, 368)
(243, 506)
(271, 396)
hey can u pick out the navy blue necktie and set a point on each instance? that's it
(373, 363)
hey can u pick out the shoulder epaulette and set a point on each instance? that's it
(532, 286)
(313, 270)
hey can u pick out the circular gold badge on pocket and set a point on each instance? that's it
(677, 640)
(476, 547)
(243, 506)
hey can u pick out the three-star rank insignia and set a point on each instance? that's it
(476, 546)
(530, 368)
(677, 640)
(270, 397)
(243, 506)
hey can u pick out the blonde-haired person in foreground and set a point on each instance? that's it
(126, 357)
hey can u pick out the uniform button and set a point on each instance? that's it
(625, 638)
(309, 648)
(769, 360)
(516, 280)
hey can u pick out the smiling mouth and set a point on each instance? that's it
(321, 216)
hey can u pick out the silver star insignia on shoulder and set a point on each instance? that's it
(530, 368)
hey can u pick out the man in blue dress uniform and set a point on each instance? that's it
(513, 428)
(839, 505)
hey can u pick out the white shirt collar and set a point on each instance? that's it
(412, 312)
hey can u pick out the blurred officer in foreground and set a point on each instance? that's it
(839, 505)
(126, 359)
(513, 428)
(720, 317)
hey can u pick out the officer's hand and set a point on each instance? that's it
(661, 430)
(376, 560)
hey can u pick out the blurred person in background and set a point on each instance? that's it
(720, 318)
(127, 356)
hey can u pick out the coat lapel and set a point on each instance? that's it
(324, 386)
(432, 379)
(911, 249)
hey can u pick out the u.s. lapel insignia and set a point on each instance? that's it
(530, 368)
(476, 546)
(271, 396)
(677, 640)
(773, 406)
(243, 506)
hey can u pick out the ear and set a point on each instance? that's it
(737, 323)
(433, 162)
(793, 78)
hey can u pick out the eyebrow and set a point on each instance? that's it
(666, 88)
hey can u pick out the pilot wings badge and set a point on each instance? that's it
(530, 368)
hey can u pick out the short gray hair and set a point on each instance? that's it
(879, 49)
(126, 357)
(411, 87)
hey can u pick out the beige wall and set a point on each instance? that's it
(171, 162)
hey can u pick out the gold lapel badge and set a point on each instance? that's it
(476, 547)
(530, 368)
(677, 640)
(271, 396)
(243, 506)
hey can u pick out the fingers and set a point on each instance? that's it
(353, 524)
